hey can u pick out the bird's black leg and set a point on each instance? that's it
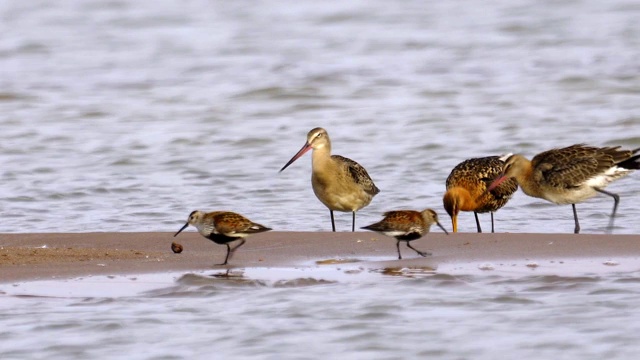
(398, 247)
(353, 222)
(477, 222)
(575, 217)
(333, 224)
(421, 253)
(230, 251)
(616, 201)
(242, 241)
(226, 257)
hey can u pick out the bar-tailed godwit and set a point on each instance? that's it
(571, 175)
(406, 225)
(223, 227)
(341, 184)
(467, 189)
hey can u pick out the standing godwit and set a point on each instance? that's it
(571, 174)
(223, 227)
(467, 189)
(406, 225)
(341, 184)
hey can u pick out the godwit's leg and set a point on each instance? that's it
(492, 229)
(616, 200)
(421, 253)
(477, 222)
(398, 247)
(226, 257)
(353, 222)
(575, 217)
(333, 224)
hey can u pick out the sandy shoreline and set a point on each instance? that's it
(67, 255)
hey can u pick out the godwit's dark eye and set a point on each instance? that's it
(319, 135)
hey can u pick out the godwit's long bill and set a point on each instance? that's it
(571, 175)
(223, 227)
(467, 189)
(407, 225)
(341, 184)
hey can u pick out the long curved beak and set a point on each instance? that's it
(306, 147)
(179, 231)
(442, 227)
(454, 223)
(499, 180)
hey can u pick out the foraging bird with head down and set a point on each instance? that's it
(467, 189)
(571, 174)
(223, 227)
(341, 184)
(406, 225)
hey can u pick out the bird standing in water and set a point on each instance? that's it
(467, 189)
(571, 175)
(406, 225)
(341, 184)
(223, 227)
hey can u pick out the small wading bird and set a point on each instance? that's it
(467, 189)
(406, 225)
(571, 175)
(341, 184)
(223, 227)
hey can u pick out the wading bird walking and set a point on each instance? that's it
(406, 225)
(223, 227)
(571, 175)
(341, 184)
(467, 189)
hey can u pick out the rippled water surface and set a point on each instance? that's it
(125, 116)
(312, 316)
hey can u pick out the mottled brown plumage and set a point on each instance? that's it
(341, 184)
(223, 227)
(572, 174)
(467, 189)
(406, 225)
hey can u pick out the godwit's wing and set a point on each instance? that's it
(358, 174)
(572, 166)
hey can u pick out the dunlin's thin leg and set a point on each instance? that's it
(421, 253)
(575, 217)
(477, 222)
(242, 241)
(398, 247)
(226, 257)
(616, 201)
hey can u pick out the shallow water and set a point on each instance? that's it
(313, 314)
(125, 116)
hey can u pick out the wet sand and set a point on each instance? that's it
(58, 256)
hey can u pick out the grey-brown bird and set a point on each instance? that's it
(406, 225)
(341, 184)
(571, 175)
(223, 227)
(467, 189)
